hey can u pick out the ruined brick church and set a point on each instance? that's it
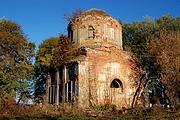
(102, 73)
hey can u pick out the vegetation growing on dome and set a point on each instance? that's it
(96, 12)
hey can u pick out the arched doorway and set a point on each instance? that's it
(116, 89)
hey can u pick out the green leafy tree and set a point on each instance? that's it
(16, 54)
(168, 23)
(136, 37)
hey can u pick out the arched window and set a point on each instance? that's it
(90, 32)
(116, 83)
(111, 33)
(70, 32)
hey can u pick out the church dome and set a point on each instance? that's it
(95, 26)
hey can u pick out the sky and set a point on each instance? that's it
(42, 19)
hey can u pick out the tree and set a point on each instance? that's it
(164, 50)
(137, 37)
(59, 54)
(43, 66)
(168, 23)
(48, 58)
(16, 54)
(70, 17)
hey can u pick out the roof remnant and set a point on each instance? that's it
(95, 11)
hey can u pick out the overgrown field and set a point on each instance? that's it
(49, 112)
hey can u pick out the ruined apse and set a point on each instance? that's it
(101, 73)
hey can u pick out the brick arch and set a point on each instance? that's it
(116, 83)
(119, 77)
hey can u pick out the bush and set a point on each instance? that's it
(105, 107)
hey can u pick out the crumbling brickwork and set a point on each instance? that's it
(96, 73)
(106, 29)
(101, 72)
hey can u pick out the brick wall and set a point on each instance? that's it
(98, 70)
